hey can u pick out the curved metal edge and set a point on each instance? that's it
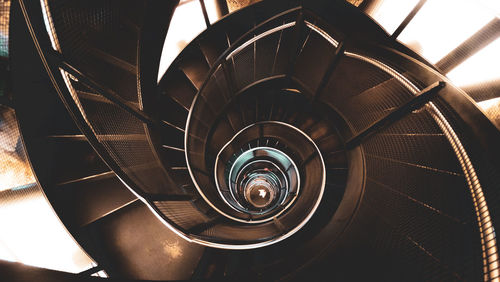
(82, 125)
(252, 162)
(260, 36)
(491, 264)
(66, 77)
(85, 128)
(49, 26)
(148, 63)
(262, 161)
(221, 58)
(279, 238)
(479, 201)
(327, 240)
(452, 137)
(293, 163)
(483, 217)
(239, 40)
(322, 33)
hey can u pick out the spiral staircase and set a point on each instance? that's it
(290, 140)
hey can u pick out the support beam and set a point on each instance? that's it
(107, 93)
(469, 47)
(173, 148)
(100, 89)
(90, 271)
(205, 14)
(339, 52)
(415, 103)
(408, 19)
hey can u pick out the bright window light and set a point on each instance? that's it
(212, 11)
(481, 67)
(6, 253)
(390, 13)
(187, 22)
(30, 231)
(493, 5)
(441, 25)
(33, 234)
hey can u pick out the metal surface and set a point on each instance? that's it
(420, 99)
(490, 261)
(453, 141)
(298, 225)
(366, 86)
(269, 171)
(81, 122)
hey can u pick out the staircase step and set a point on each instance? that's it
(74, 160)
(174, 157)
(154, 253)
(351, 77)
(120, 43)
(212, 45)
(120, 77)
(170, 111)
(88, 199)
(194, 65)
(110, 59)
(177, 86)
(374, 103)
